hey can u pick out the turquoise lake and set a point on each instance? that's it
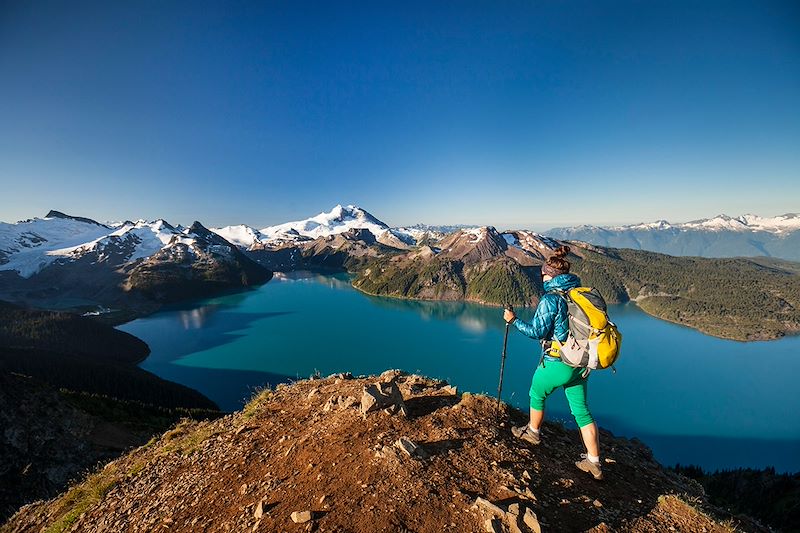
(692, 398)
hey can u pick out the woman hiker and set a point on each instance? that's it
(550, 322)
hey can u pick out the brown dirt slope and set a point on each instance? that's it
(308, 447)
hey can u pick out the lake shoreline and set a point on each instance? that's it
(699, 329)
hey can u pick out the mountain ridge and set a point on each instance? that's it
(751, 222)
(720, 236)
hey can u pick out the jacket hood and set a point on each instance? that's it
(562, 282)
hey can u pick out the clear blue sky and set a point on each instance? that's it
(504, 113)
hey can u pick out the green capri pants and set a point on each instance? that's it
(554, 374)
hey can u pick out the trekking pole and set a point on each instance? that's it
(503, 361)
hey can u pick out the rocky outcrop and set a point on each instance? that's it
(450, 465)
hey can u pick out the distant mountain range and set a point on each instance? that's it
(31, 246)
(721, 236)
(75, 263)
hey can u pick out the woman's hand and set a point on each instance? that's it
(509, 316)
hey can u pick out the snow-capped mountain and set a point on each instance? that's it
(720, 236)
(64, 258)
(241, 235)
(194, 262)
(340, 219)
(422, 232)
(32, 245)
(480, 244)
(779, 224)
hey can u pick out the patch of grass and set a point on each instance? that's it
(259, 398)
(137, 468)
(83, 497)
(186, 437)
(698, 506)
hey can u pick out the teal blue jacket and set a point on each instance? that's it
(551, 319)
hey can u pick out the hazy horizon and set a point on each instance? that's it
(534, 227)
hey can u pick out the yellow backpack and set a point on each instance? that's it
(593, 341)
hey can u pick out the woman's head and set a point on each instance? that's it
(556, 264)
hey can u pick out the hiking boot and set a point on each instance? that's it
(590, 466)
(526, 433)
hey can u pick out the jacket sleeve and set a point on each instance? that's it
(541, 327)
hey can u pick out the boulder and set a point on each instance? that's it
(339, 402)
(452, 390)
(383, 396)
(301, 517)
(530, 520)
(411, 448)
(489, 507)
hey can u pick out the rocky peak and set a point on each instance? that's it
(538, 246)
(394, 452)
(359, 234)
(200, 230)
(340, 214)
(58, 214)
(473, 245)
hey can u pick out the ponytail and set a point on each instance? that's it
(557, 263)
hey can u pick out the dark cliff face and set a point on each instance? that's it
(72, 395)
(77, 353)
(67, 333)
(51, 437)
(43, 444)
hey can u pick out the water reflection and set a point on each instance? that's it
(197, 318)
(473, 324)
(471, 317)
(333, 281)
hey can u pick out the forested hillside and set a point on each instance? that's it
(77, 353)
(739, 299)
